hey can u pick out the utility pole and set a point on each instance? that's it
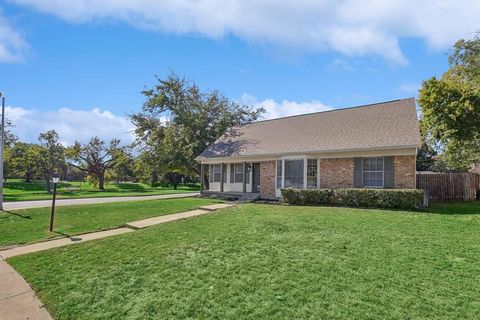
(2, 138)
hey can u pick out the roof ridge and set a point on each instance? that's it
(333, 110)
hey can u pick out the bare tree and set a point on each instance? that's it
(94, 158)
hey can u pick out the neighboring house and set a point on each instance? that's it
(371, 146)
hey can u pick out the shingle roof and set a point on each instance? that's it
(391, 124)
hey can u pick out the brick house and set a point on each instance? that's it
(371, 146)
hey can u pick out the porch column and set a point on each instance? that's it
(221, 177)
(202, 177)
(244, 177)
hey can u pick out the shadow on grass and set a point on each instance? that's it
(66, 235)
(445, 208)
(25, 186)
(18, 215)
(452, 208)
(131, 187)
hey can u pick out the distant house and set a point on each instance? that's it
(371, 146)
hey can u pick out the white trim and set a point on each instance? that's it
(354, 153)
(305, 163)
(333, 153)
(318, 173)
(383, 173)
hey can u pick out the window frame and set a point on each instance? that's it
(236, 172)
(303, 175)
(315, 165)
(373, 171)
(214, 172)
(279, 175)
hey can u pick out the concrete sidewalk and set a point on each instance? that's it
(17, 299)
(40, 246)
(7, 206)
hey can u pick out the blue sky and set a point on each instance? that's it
(85, 65)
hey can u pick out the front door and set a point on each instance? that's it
(256, 177)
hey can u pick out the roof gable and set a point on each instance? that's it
(390, 124)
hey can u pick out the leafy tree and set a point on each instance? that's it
(53, 156)
(122, 168)
(10, 137)
(451, 107)
(426, 158)
(178, 121)
(94, 158)
(147, 168)
(24, 159)
(173, 178)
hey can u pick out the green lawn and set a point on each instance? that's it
(18, 190)
(271, 262)
(29, 225)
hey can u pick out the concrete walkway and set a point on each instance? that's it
(17, 299)
(40, 246)
(171, 217)
(7, 206)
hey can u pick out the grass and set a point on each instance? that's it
(19, 190)
(30, 225)
(271, 262)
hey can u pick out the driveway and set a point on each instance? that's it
(7, 206)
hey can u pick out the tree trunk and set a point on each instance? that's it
(47, 183)
(154, 179)
(101, 181)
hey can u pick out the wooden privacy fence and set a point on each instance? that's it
(449, 186)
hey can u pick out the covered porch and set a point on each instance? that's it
(234, 179)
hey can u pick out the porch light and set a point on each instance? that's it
(55, 180)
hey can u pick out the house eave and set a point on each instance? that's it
(413, 148)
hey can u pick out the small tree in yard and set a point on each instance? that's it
(24, 159)
(123, 166)
(94, 158)
(52, 158)
(173, 178)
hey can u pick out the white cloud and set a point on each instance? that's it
(285, 108)
(12, 44)
(70, 124)
(410, 88)
(351, 27)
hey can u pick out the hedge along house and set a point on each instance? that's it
(371, 146)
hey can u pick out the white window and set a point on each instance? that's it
(312, 173)
(373, 172)
(279, 174)
(216, 172)
(294, 174)
(236, 172)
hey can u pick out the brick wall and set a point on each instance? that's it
(404, 172)
(336, 173)
(267, 179)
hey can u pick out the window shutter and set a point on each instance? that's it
(210, 173)
(224, 173)
(232, 172)
(357, 173)
(388, 172)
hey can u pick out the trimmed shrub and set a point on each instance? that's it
(367, 198)
(307, 196)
